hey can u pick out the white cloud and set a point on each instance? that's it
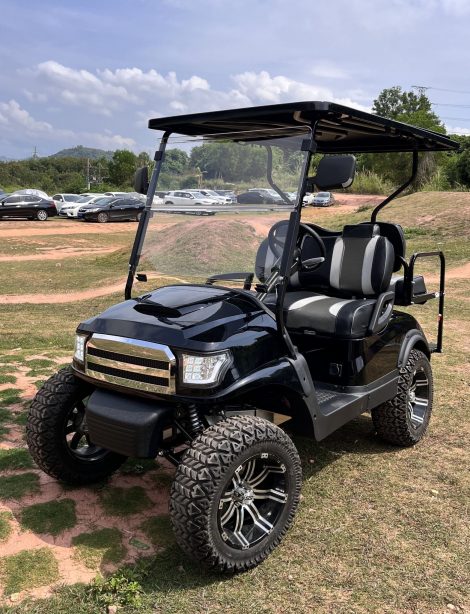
(14, 120)
(457, 130)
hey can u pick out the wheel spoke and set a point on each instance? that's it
(75, 440)
(260, 521)
(249, 470)
(270, 493)
(237, 531)
(263, 474)
(228, 514)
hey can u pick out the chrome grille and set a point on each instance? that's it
(131, 363)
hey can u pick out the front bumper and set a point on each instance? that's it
(127, 425)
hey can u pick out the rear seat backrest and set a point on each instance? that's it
(362, 261)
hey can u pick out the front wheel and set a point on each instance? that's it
(404, 419)
(235, 493)
(138, 216)
(42, 215)
(103, 217)
(57, 433)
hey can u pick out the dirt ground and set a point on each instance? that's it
(90, 513)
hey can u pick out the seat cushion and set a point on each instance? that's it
(327, 315)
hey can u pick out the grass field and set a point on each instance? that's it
(379, 529)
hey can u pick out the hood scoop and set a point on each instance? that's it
(157, 309)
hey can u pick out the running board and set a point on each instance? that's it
(338, 405)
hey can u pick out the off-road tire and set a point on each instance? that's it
(45, 433)
(391, 419)
(202, 477)
(42, 215)
(102, 217)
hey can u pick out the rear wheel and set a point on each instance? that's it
(235, 493)
(138, 216)
(42, 215)
(404, 420)
(103, 217)
(57, 433)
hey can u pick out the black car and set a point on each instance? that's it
(258, 198)
(27, 205)
(112, 208)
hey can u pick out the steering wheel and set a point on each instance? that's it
(277, 237)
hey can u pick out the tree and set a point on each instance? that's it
(176, 161)
(410, 108)
(122, 167)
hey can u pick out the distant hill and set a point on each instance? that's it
(83, 152)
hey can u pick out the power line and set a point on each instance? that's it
(423, 88)
(449, 104)
(458, 119)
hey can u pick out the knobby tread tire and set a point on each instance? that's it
(45, 432)
(391, 418)
(205, 465)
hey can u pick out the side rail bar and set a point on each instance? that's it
(422, 298)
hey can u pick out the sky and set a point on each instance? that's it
(93, 73)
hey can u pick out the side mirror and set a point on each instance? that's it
(141, 180)
(334, 172)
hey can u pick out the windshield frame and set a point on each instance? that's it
(308, 147)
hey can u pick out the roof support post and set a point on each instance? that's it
(398, 191)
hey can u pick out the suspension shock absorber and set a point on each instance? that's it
(194, 420)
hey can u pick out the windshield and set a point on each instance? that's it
(323, 194)
(101, 202)
(71, 198)
(189, 241)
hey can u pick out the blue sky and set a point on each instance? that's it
(93, 73)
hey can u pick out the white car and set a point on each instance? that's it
(61, 199)
(71, 209)
(116, 194)
(222, 200)
(180, 197)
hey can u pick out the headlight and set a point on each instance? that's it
(91, 210)
(204, 370)
(80, 342)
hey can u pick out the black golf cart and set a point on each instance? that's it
(248, 323)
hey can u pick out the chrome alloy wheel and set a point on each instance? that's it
(418, 398)
(253, 501)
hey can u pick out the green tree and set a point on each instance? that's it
(122, 167)
(176, 161)
(410, 108)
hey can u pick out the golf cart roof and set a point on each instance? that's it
(338, 129)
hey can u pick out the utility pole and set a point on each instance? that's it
(88, 174)
(35, 153)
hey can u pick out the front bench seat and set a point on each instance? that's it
(358, 304)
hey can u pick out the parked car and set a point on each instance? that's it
(61, 199)
(111, 208)
(71, 209)
(323, 199)
(269, 192)
(187, 198)
(229, 193)
(27, 205)
(253, 197)
(308, 198)
(116, 194)
(220, 198)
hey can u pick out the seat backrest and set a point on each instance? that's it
(362, 261)
(394, 233)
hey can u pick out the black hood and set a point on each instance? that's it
(201, 318)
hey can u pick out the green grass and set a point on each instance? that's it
(118, 501)
(15, 458)
(52, 517)
(379, 529)
(67, 275)
(5, 526)
(7, 379)
(17, 486)
(28, 569)
(99, 547)
(159, 530)
(10, 396)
